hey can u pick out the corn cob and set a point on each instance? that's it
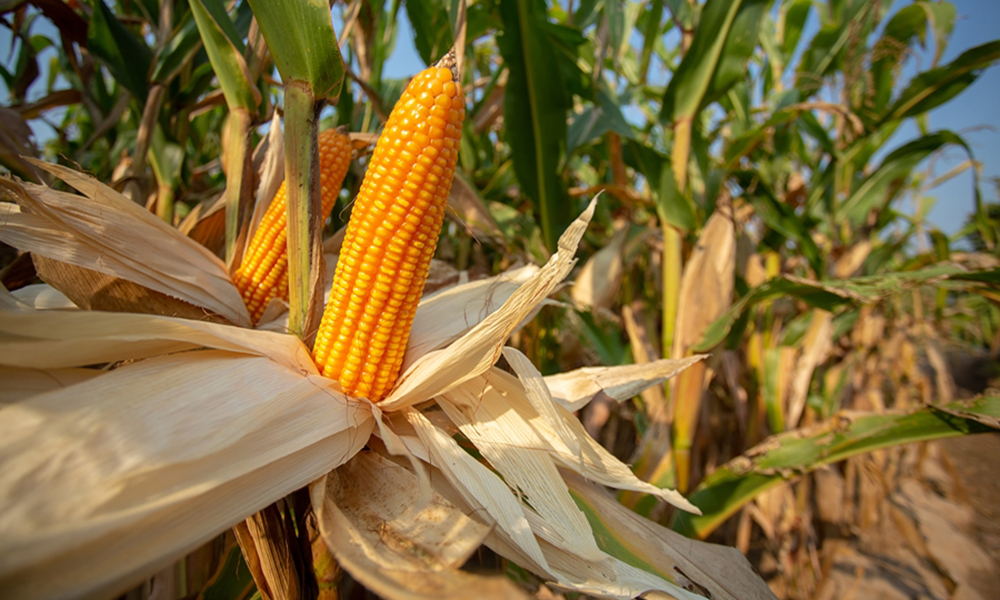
(391, 236)
(263, 274)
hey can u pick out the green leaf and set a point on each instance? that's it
(300, 35)
(828, 295)
(226, 53)
(535, 105)
(179, 51)
(124, 54)
(909, 23)
(432, 33)
(795, 13)
(787, 456)
(933, 88)
(739, 46)
(650, 35)
(716, 42)
(671, 205)
(942, 18)
(876, 191)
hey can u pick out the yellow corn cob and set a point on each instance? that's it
(263, 274)
(391, 236)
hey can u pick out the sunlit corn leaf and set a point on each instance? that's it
(537, 94)
(786, 456)
(935, 87)
(43, 297)
(371, 516)
(828, 295)
(449, 313)
(92, 290)
(882, 186)
(598, 281)
(227, 54)
(103, 231)
(707, 68)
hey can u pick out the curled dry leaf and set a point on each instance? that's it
(576, 389)
(598, 281)
(370, 516)
(103, 231)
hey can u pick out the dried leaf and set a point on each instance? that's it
(510, 445)
(92, 290)
(501, 393)
(19, 384)
(598, 281)
(398, 549)
(155, 462)
(446, 315)
(479, 487)
(106, 232)
(575, 389)
(471, 210)
(42, 296)
(722, 572)
(55, 339)
(707, 284)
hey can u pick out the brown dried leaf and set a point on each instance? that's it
(370, 518)
(91, 290)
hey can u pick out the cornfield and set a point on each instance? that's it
(598, 299)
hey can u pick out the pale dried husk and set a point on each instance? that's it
(119, 472)
(205, 423)
(103, 231)
(371, 516)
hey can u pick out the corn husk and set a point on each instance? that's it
(103, 231)
(118, 473)
(196, 425)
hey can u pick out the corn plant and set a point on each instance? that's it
(739, 272)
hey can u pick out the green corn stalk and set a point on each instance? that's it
(304, 46)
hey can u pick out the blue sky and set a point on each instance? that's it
(975, 114)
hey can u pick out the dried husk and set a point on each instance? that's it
(202, 424)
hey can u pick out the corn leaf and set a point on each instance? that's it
(477, 485)
(935, 87)
(127, 57)
(506, 441)
(716, 54)
(226, 52)
(535, 104)
(575, 389)
(786, 456)
(828, 295)
(303, 44)
(882, 186)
